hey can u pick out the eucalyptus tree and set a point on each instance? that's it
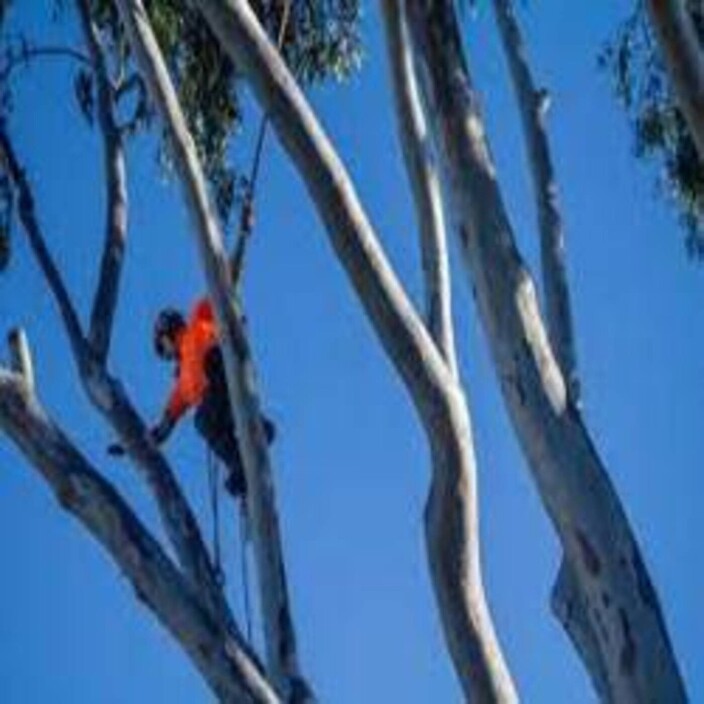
(181, 63)
(185, 594)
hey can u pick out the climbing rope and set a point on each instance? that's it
(245, 229)
(246, 221)
(214, 492)
(214, 496)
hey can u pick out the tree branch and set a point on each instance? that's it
(28, 218)
(567, 603)
(22, 363)
(220, 654)
(533, 105)
(106, 297)
(110, 398)
(683, 60)
(423, 176)
(278, 624)
(451, 516)
(600, 546)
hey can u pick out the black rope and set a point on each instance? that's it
(214, 491)
(214, 495)
(264, 121)
(246, 223)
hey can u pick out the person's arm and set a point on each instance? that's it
(176, 406)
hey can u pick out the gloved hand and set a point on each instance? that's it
(162, 430)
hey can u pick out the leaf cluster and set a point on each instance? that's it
(659, 128)
(321, 41)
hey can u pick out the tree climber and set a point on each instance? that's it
(200, 382)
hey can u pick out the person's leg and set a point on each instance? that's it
(222, 442)
(213, 421)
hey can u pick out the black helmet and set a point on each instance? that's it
(168, 323)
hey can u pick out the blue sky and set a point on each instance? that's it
(350, 460)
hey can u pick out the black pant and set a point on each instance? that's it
(213, 421)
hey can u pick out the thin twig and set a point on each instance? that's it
(26, 54)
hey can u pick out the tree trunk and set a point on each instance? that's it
(108, 396)
(533, 105)
(566, 601)
(279, 633)
(598, 542)
(220, 654)
(451, 517)
(423, 175)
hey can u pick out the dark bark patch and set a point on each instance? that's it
(627, 657)
(286, 644)
(590, 558)
(643, 583)
(141, 596)
(66, 495)
(300, 692)
(606, 600)
(205, 651)
(600, 626)
(646, 590)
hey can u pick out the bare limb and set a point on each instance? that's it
(567, 603)
(599, 544)
(105, 302)
(533, 105)
(683, 59)
(219, 653)
(424, 179)
(29, 222)
(176, 514)
(280, 639)
(110, 398)
(21, 356)
(451, 516)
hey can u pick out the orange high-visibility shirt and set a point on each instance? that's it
(192, 347)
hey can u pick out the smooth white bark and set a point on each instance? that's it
(451, 517)
(599, 544)
(107, 291)
(282, 657)
(423, 175)
(109, 397)
(218, 652)
(566, 600)
(533, 105)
